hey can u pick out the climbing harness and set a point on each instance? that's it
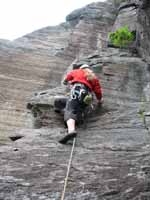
(77, 90)
(81, 92)
(68, 170)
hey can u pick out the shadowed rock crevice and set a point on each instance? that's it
(15, 137)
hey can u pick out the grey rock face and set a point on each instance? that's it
(27, 65)
(111, 158)
(144, 22)
(95, 11)
(135, 15)
(38, 60)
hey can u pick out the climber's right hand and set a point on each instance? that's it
(100, 102)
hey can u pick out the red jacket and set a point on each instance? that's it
(78, 75)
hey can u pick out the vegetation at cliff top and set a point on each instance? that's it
(122, 37)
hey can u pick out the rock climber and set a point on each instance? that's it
(83, 83)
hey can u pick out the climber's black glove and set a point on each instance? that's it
(65, 82)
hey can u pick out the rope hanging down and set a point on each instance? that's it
(68, 170)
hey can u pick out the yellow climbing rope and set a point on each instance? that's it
(68, 170)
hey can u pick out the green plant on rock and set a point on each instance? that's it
(122, 37)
